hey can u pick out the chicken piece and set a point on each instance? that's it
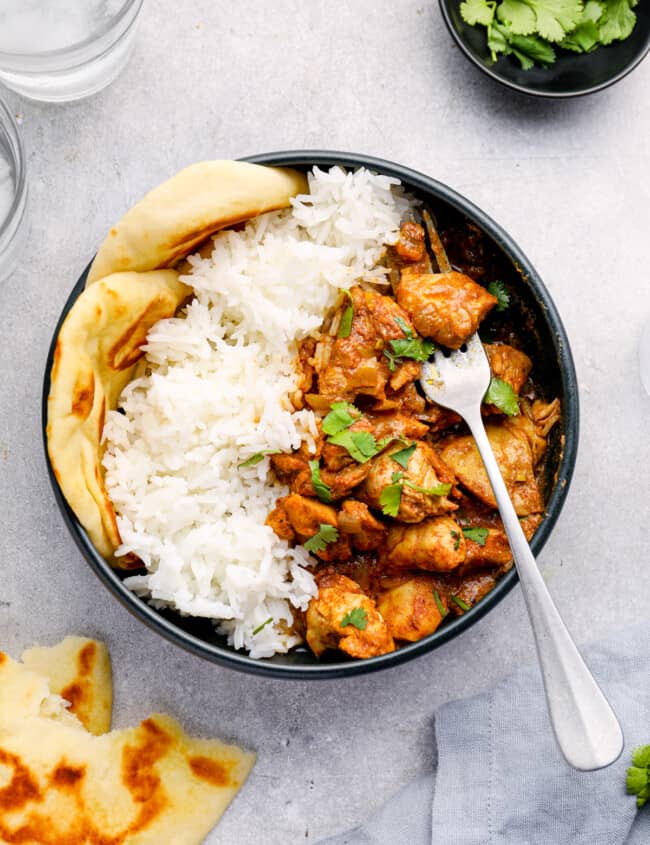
(447, 307)
(436, 545)
(287, 466)
(406, 400)
(279, 521)
(341, 483)
(306, 516)
(410, 608)
(381, 426)
(424, 469)
(407, 373)
(366, 532)
(337, 598)
(411, 246)
(509, 364)
(534, 422)
(470, 589)
(545, 415)
(391, 425)
(514, 457)
(355, 365)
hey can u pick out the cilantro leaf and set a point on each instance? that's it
(257, 458)
(497, 40)
(618, 21)
(638, 775)
(326, 534)
(502, 396)
(530, 49)
(586, 36)
(402, 457)
(438, 490)
(456, 537)
(360, 444)
(477, 11)
(518, 16)
(641, 756)
(321, 489)
(390, 499)
(499, 290)
(262, 626)
(404, 327)
(460, 603)
(340, 417)
(476, 535)
(345, 326)
(409, 347)
(357, 617)
(442, 610)
(556, 17)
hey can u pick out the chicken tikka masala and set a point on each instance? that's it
(393, 502)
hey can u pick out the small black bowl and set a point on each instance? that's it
(572, 74)
(554, 372)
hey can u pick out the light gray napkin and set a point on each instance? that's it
(501, 780)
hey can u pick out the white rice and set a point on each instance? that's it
(216, 391)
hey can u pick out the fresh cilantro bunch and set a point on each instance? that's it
(638, 775)
(531, 30)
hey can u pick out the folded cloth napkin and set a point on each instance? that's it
(501, 779)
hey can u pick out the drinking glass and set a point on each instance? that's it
(13, 192)
(60, 50)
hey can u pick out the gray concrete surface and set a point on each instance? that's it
(569, 180)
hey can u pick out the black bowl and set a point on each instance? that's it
(572, 74)
(554, 371)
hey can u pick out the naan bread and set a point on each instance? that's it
(141, 786)
(177, 216)
(79, 670)
(96, 352)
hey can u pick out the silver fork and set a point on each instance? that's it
(585, 726)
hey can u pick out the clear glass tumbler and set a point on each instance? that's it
(13, 192)
(61, 50)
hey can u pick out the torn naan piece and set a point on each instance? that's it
(79, 670)
(175, 218)
(140, 786)
(96, 352)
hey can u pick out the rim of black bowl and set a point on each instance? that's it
(226, 656)
(534, 92)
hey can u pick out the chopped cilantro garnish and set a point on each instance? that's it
(638, 775)
(341, 416)
(439, 490)
(460, 603)
(455, 535)
(502, 396)
(498, 290)
(321, 489)
(442, 610)
(357, 617)
(402, 457)
(257, 458)
(326, 534)
(360, 444)
(476, 535)
(414, 348)
(262, 626)
(390, 498)
(345, 326)
(409, 346)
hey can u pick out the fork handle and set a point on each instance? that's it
(584, 724)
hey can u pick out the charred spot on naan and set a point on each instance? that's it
(127, 349)
(83, 394)
(216, 773)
